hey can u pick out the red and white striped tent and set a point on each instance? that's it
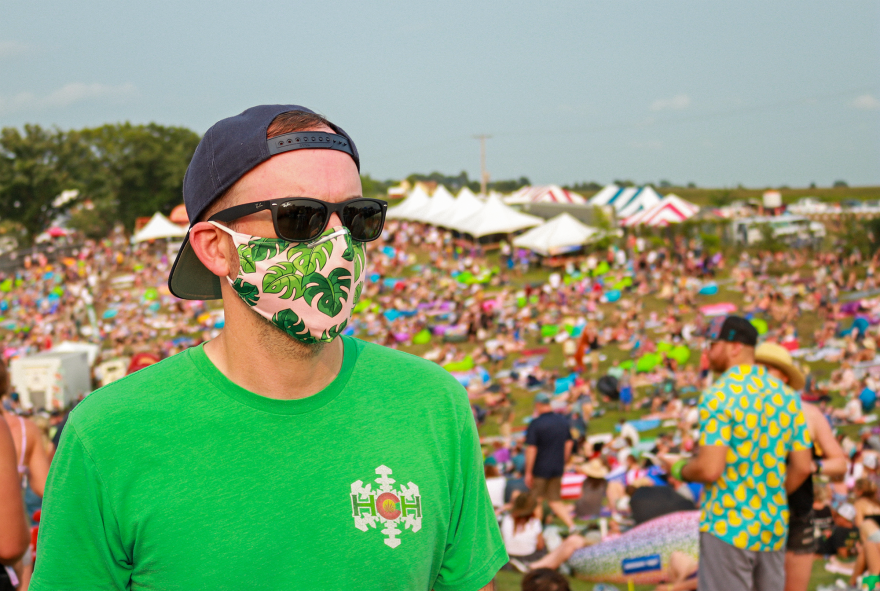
(672, 209)
(544, 194)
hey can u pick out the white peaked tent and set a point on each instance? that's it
(463, 208)
(544, 194)
(159, 227)
(604, 196)
(439, 203)
(560, 234)
(672, 209)
(417, 201)
(496, 218)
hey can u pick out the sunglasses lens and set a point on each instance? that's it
(364, 220)
(300, 220)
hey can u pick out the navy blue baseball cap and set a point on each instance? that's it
(228, 150)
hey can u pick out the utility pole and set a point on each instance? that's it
(484, 174)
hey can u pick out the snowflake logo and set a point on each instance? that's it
(386, 506)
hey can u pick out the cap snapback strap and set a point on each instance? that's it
(310, 140)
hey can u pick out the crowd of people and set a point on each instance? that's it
(617, 332)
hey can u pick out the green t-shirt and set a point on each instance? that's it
(177, 478)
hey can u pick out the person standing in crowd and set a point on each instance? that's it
(548, 448)
(279, 454)
(749, 424)
(14, 536)
(828, 460)
(32, 459)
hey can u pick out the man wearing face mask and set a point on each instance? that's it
(281, 454)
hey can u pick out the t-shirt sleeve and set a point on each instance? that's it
(715, 427)
(79, 545)
(474, 549)
(531, 434)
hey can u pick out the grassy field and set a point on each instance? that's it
(509, 581)
(807, 323)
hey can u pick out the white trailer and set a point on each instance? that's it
(52, 380)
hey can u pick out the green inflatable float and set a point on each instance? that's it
(760, 325)
(423, 337)
(648, 362)
(681, 354)
(465, 364)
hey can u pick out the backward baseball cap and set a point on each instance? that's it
(228, 151)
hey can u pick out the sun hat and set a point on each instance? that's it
(779, 357)
(594, 469)
(847, 511)
(229, 150)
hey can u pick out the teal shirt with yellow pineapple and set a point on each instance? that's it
(759, 420)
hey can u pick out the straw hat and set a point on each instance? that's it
(594, 469)
(779, 357)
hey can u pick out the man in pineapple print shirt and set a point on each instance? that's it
(754, 447)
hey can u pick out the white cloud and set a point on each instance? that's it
(12, 49)
(866, 102)
(68, 94)
(676, 103)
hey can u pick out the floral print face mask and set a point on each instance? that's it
(307, 289)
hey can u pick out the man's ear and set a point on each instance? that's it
(210, 245)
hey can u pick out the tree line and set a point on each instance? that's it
(121, 171)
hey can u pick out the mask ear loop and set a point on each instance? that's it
(336, 234)
(229, 231)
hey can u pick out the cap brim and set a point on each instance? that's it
(190, 279)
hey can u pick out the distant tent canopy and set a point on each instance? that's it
(466, 205)
(417, 200)
(672, 209)
(626, 201)
(544, 194)
(559, 235)
(159, 227)
(441, 201)
(494, 217)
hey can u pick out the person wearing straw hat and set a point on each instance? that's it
(829, 460)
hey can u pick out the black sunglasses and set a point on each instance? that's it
(301, 219)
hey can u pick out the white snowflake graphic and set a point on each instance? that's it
(386, 506)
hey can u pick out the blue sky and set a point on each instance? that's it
(757, 93)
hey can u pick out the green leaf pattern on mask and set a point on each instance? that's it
(246, 258)
(248, 292)
(360, 260)
(264, 248)
(289, 322)
(283, 279)
(329, 290)
(357, 294)
(335, 331)
(309, 260)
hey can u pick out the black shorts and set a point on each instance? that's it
(802, 535)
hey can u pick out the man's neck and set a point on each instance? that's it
(265, 361)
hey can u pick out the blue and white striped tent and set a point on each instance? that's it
(626, 201)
